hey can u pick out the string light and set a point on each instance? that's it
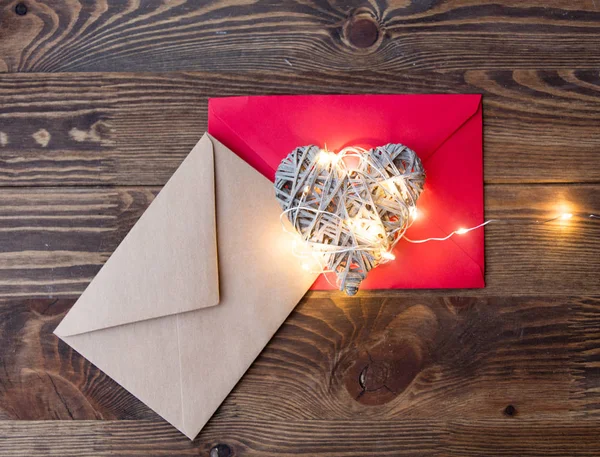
(388, 255)
(326, 158)
(318, 257)
(462, 231)
(367, 228)
(370, 231)
(414, 213)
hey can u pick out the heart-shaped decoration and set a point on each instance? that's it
(350, 208)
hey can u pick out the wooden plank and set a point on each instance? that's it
(135, 129)
(284, 36)
(414, 357)
(356, 438)
(523, 438)
(54, 240)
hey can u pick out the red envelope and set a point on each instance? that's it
(444, 130)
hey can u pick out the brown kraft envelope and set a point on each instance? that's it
(207, 258)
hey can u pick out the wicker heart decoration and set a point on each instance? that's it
(350, 208)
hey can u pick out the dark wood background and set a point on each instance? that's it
(101, 100)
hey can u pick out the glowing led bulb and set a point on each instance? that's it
(390, 186)
(305, 266)
(566, 216)
(306, 189)
(414, 213)
(387, 255)
(461, 231)
(325, 158)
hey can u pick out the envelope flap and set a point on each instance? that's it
(167, 263)
(263, 130)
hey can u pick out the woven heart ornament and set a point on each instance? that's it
(350, 208)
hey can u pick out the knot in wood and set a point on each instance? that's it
(21, 9)
(373, 376)
(221, 450)
(362, 31)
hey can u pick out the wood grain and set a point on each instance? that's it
(54, 240)
(415, 374)
(292, 36)
(135, 129)
(356, 438)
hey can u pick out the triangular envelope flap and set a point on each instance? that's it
(167, 263)
(422, 122)
(261, 282)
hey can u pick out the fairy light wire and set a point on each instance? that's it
(462, 231)
(336, 165)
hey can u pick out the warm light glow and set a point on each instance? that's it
(366, 229)
(564, 211)
(325, 158)
(390, 186)
(388, 255)
(357, 236)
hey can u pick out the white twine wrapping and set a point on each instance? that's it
(351, 208)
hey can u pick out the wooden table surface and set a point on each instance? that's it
(101, 100)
